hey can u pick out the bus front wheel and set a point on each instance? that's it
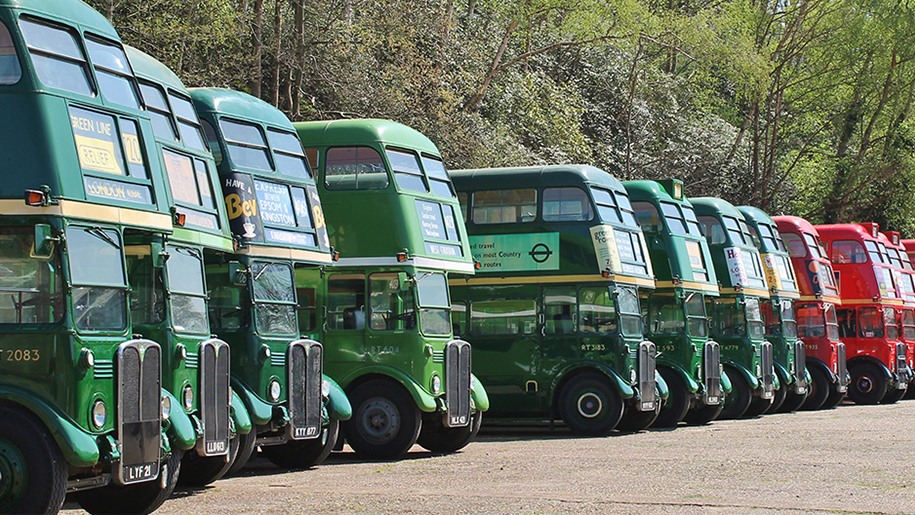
(143, 497)
(589, 405)
(677, 405)
(385, 422)
(893, 396)
(817, 390)
(33, 471)
(440, 439)
(301, 454)
(738, 401)
(868, 384)
(240, 450)
(703, 414)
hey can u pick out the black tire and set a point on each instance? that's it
(444, 440)
(589, 405)
(703, 414)
(302, 454)
(893, 395)
(634, 421)
(385, 423)
(793, 402)
(868, 384)
(835, 398)
(240, 450)
(738, 401)
(910, 391)
(817, 390)
(677, 406)
(197, 470)
(143, 497)
(779, 395)
(758, 406)
(33, 470)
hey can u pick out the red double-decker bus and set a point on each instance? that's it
(904, 276)
(817, 324)
(867, 315)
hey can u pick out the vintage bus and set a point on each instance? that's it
(909, 246)
(778, 311)
(83, 404)
(815, 313)
(384, 309)
(876, 357)
(904, 276)
(553, 309)
(737, 323)
(275, 214)
(674, 311)
(166, 273)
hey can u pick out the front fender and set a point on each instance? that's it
(746, 374)
(621, 386)
(781, 373)
(726, 385)
(691, 385)
(478, 394)
(239, 414)
(180, 428)
(887, 374)
(260, 412)
(338, 405)
(813, 362)
(663, 390)
(78, 447)
(423, 399)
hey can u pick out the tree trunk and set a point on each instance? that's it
(277, 51)
(257, 48)
(476, 101)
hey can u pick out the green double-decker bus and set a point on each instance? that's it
(553, 310)
(166, 274)
(383, 309)
(276, 218)
(83, 404)
(778, 311)
(736, 315)
(688, 360)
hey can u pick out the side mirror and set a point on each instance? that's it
(43, 247)
(238, 274)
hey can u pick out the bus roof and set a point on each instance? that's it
(660, 190)
(558, 175)
(148, 67)
(363, 131)
(235, 104)
(70, 12)
(863, 231)
(794, 223)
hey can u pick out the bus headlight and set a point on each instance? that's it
(86, 358)
(265, 352)
(632, 375)
(436, 384)
(325, 388)
(181, 352)
(99, 414)
(166, 407)
(188, 397)
(274, 390)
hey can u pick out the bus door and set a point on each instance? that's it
(344, 323)
(505, 337)
(388, 316)
(559, 327)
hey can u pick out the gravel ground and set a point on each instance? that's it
(852, 459)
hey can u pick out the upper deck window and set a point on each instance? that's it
(566, 204)
(713, 230)
(354, 168)
(877, 254)
(462, 200)
(505, 206)
(849, 251)
(114, 76)
(734, 231)
(439, 182)
(648, 216)
(407, 173)
(681, 223)
(188, 123)
(613, 206)
(246, 145)
(10, 72)
(159, 114)
(290, 159)
(769, 236)
(57, 56)
(795, 245)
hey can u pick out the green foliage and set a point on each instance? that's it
(795, 106)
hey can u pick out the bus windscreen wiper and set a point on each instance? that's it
(102, 235)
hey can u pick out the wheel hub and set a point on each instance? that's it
(380, 420)
(13, 472)
(589, 405)
(864, 384)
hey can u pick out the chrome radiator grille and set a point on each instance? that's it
(841, 368)
(711, 369)
(767, 364)
(305, 360)
(647, 395)
(139, 376)
(457, 383)
(214, 397)
(800, 366)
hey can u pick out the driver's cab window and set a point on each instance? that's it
(30, 289)
(391, 304)
(346, 302)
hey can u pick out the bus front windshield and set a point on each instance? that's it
(187, 294)
(892, 326)
(779, 319)
(630, 312)
(274, 298)
(908, 324)
(755, 324)
(434, 305)
(96, 264)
